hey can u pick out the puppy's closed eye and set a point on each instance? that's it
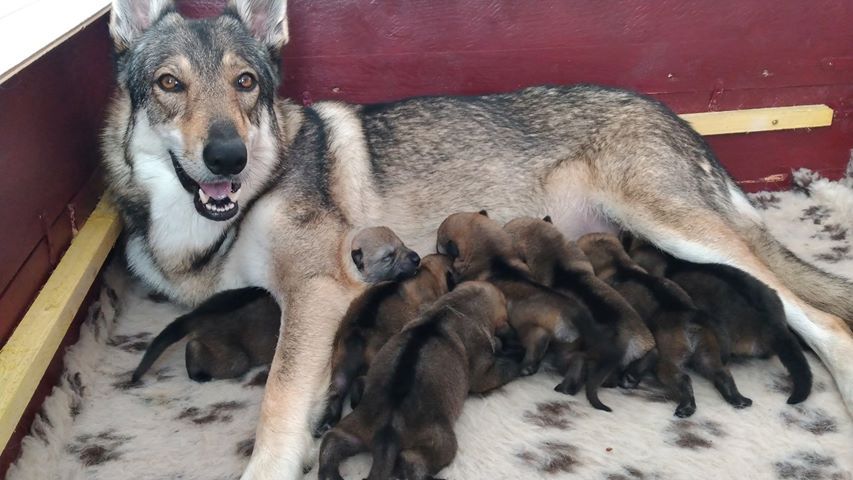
(358, 259)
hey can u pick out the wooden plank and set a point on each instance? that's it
(25, 357)
(760, 119)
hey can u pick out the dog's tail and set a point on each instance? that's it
(386, 448)
(821, 289)
(174, 332)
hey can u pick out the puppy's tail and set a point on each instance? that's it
(171, 334)
(598, 371)
(791, 354)
(821, 289)
(386, 448)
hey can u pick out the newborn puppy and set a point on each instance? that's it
(379, 255)
(682, 332)
(237, 330)
(230, 333)
(371, 319)
(482, 250)
(417, 385)
(556, 262)
(746, 314)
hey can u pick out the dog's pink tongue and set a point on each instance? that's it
(218, 190)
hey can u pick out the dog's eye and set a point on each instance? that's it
(169, 83)
(246, 82)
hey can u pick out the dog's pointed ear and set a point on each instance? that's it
(484, 213)
(547, 218)
(129, 18)
(358, 259)
(266, 19)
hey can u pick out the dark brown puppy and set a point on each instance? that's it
(417, 386)
(746, 314)
(482, 250)
(557, 262)
(682, 332)
(372, 318)
(236, 330)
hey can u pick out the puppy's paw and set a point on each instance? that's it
(741, 402)
(529, 369)
(568, 387)
(684, 411)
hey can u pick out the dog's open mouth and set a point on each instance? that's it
(213, 200)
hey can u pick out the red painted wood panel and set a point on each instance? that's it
(50, 117)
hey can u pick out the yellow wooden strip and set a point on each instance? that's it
(760, 119)
(24, 359)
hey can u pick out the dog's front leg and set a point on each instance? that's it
(298, 378)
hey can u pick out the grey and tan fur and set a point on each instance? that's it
(746, 315)
(417, 386)
(482, 250)
(236, 330)
(371, 319)
(683, 334)
(591, 157)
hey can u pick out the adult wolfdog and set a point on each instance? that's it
(221, 185)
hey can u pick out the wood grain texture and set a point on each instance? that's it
(25, 357)
(760, 119)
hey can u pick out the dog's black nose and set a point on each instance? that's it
(414, 258)
(225, 152)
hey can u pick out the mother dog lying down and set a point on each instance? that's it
(222, 185)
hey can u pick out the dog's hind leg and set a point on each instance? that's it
(299, 377)
(704, 234)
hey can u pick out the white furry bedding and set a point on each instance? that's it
(96, 425)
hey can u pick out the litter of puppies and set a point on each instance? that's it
(496, 301)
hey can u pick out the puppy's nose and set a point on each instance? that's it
(225, 152)
(414, 258)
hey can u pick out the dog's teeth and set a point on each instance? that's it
(203, 196)
(233, 196)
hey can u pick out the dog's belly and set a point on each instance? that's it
(416, 219)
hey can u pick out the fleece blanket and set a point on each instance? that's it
(97, 425)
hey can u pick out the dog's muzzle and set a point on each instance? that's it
(213, 200)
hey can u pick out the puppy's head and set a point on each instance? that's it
(646, 255)
(605, 253)
(544, 248)
(475, 242)
(379, 255)
(486, 302)
(439, 268)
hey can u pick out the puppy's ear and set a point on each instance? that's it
(484, 213)
(547, 218)
(451, 282)
(626, 238)
(452, 250)
(358, 259)
(266, 19)
(129, 18)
